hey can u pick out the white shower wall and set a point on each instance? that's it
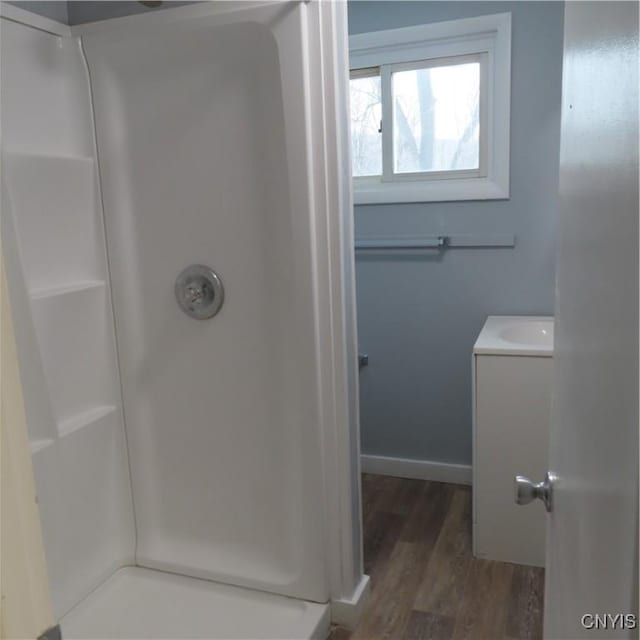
(53, 243)
(222, 415)
(224, 449)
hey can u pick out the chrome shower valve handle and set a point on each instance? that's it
(199, 292)
(196, 293)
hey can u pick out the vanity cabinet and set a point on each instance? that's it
(511, 405)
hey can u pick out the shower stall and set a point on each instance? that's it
(177, 232)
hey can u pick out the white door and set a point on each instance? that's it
(593, 529)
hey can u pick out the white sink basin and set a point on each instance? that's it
(533, 332)
(516, 335)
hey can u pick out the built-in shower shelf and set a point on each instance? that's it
(84, 419)
(61, 290)
(55, 204)
(28, 154)
(40, 444)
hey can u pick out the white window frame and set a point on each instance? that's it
(486, 39)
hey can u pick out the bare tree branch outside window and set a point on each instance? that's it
(436, 120)
(366, 114)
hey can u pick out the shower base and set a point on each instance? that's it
(137, 603)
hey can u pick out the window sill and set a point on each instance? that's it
(373, 192)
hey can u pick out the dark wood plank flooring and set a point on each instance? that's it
(425, 582)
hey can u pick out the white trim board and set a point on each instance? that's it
(347, 612)
(416, 469)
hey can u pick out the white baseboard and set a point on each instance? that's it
(417, 469)
(348, 611)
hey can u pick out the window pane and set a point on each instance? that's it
(366, 112)
(436, 118)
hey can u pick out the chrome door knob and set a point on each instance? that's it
(527, 491)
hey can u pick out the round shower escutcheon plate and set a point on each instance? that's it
(199, 291)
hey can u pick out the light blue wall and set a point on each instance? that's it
(54, 9)
(81, 11)
(419, 314)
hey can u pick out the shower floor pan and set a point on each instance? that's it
(137, 603)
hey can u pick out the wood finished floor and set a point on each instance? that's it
(425, 582)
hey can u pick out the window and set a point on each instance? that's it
(430, 111)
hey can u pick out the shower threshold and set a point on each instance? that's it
(137, 603)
